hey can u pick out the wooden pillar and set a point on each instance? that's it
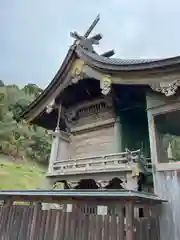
(54, 151)
(59, 149)
(55, 143)
(131, 183)
(117, 144)
(8, 203)
(129, 221)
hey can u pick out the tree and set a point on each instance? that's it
(1, 83)
(17, 138)
(32, 89)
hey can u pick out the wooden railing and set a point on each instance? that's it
(124, 161)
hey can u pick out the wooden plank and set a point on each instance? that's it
(81, 221)
(129, 221)
(113, 228)
(5, 223)
(37, 232)
(52, 223)
(9, 211)
(17, 222)
(22, 223)
(29, 221)
(56, 227)
(120, 222)
(62, 224)
(93, 227)
(90, 230)
(25, 222)
(32, 235)
(67, 226)
(1, 219)
(48, 217)
(43, 223)
(99, 227)
(106, 227)
(154, 230)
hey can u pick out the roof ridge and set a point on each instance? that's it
(121, 61)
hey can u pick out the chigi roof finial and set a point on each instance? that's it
(87, 43)
(84, 41)
(92, 26)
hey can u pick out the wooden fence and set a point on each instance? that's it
(32, 223)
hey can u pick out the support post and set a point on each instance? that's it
(117, 144)
(131, 181)
(129, 221)
(54, 151)
(55, 143)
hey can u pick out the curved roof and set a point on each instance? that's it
(57, 80)
(118, 64)
(104, 64)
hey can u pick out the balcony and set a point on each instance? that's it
(124, 161)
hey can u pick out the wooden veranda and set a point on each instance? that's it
(79, 215)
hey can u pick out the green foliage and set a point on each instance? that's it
(20, 176)
(1, 83)
(17, 138)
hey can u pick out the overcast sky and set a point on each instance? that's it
(34, 34)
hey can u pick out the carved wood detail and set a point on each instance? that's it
(78, 72)
(105, 85)
(167, 88)
(91, 109)
(50, 106)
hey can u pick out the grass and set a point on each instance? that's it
(14, 176)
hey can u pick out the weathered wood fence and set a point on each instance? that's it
(83, 221)
(28, 222)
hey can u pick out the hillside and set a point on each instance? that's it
(17, 138)
(20, 176)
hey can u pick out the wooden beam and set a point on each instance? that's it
(97, 37)
(109, 53)
(92, 26)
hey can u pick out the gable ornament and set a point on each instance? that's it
(167, 88)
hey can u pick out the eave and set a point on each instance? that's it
(75, 195)
(56, 83)
(102, 65)
(117, 65)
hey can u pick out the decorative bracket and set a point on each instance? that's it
(105, 85)
(78, 75)
(78, 72)
(167, 88)
(50, 106)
